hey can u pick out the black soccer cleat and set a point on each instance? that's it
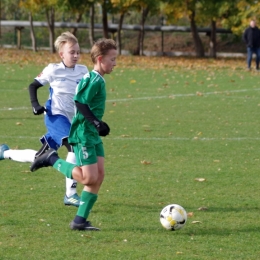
(43, 160)
(84, 226)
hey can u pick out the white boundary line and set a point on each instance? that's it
(14, 108)
(155, 97)
(195, 139)
(185, 95)
(155, 138)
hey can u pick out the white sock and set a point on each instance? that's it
(26, 155)
(71, 184)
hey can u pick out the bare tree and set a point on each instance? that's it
(91, 23)
(34, 44)
(50, 15)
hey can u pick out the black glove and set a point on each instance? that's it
(38, 109)
(102, 128)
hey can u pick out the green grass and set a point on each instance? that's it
(186, 123)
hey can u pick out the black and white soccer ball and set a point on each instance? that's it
(173, 217)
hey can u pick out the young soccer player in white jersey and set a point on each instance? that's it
(86, 128)
(59, 109)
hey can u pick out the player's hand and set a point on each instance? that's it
(38, 110)
(103, 128)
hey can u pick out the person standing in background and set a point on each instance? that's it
(251, 37)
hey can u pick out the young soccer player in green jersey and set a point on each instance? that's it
(86, 128)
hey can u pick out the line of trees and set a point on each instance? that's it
(234, 15)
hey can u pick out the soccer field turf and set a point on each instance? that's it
(182, 131)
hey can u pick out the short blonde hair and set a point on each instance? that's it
(64, 38)
(101, 48)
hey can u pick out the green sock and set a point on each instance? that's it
(87, 200)
(64, 167)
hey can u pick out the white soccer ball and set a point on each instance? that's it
(173, 217)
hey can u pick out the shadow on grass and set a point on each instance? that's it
(190, 230)
(234, 221)
(156, 208)
(221, 231)
(227, 209)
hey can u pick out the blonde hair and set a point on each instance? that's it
(101, 48)
(64, 38)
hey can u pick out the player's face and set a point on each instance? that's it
(108, 62)
(70, 54)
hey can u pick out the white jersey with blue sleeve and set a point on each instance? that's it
(63, 82)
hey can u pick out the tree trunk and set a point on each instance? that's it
(50, 14)
(199, 49)
(104, 20)
(119, 42)
(213, 41)
(140, 40)
(91, 24)
(34, 45)
(19, 36)
(78, 19)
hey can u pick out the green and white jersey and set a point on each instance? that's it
(90, 91)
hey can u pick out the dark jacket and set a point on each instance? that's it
(251, 37)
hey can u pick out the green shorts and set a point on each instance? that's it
(86, 155)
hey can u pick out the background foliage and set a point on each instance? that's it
(233, 15)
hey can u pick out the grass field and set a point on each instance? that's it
(172, 121)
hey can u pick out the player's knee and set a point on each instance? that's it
(89, 180)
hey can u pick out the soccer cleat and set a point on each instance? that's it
(43, 160)
(84, 226)
(3, 147)
(73, 200)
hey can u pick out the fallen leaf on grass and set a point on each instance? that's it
(18, 123)
(145, 162)
(196, 222)
(146, 128)
(202, 208)
(200, 179)
(190, 214)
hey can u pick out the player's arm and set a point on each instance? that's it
(102, 128)
(37, 108)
